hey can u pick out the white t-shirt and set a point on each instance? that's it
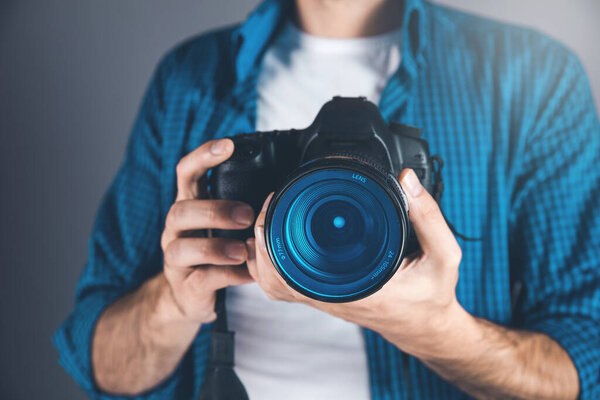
(286, 350)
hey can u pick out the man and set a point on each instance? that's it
(510, 112)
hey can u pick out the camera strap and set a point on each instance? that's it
(220, 380)
(438, 182)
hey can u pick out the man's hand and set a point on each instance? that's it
(196, 267)
(140, 339)
(419, 298)
(417, 311)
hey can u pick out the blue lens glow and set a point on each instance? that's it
(339, 222)
(335, 236)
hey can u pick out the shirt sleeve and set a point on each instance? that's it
(124, 248)
(555, 219)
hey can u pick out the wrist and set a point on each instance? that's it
(439, 335)
(163, 318)
(452, 335)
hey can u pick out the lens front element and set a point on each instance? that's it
(336, 231)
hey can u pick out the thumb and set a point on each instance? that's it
(434, 235)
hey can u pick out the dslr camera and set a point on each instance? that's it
(337, 227)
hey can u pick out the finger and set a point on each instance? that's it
(265, 273)
(434, 235)
(194, 165)
(184, 254)
(268, 278)
(214, 277)
(261, 267)
(255, 261)
(188, 215)
(251, 260)
(250, 248)
(259, 225)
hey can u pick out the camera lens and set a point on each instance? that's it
(336, 231)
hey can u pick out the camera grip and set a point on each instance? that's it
(248, 185)
(248, 176)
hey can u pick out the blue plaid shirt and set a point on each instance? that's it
(509, 110)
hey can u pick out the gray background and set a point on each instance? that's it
(72, 73)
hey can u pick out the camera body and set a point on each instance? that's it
(347, 132)
(261, 161)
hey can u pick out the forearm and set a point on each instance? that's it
(140, 339)
(489, 361)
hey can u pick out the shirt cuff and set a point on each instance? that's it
(73, 340)
(580, 337)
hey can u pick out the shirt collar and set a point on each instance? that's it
(251, 39)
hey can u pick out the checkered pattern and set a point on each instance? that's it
(510, 112)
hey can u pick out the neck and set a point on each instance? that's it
(348, 18)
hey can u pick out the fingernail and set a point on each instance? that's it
(235, 251)
(412, 184)
(219, 147)
(242, 214)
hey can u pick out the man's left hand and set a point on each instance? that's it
(417, 306)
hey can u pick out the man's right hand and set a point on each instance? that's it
(140, 338)
(196, 267)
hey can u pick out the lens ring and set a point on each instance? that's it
(296, 255)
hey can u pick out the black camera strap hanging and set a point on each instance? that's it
(220, 380)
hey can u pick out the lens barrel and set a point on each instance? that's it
(337, 230)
